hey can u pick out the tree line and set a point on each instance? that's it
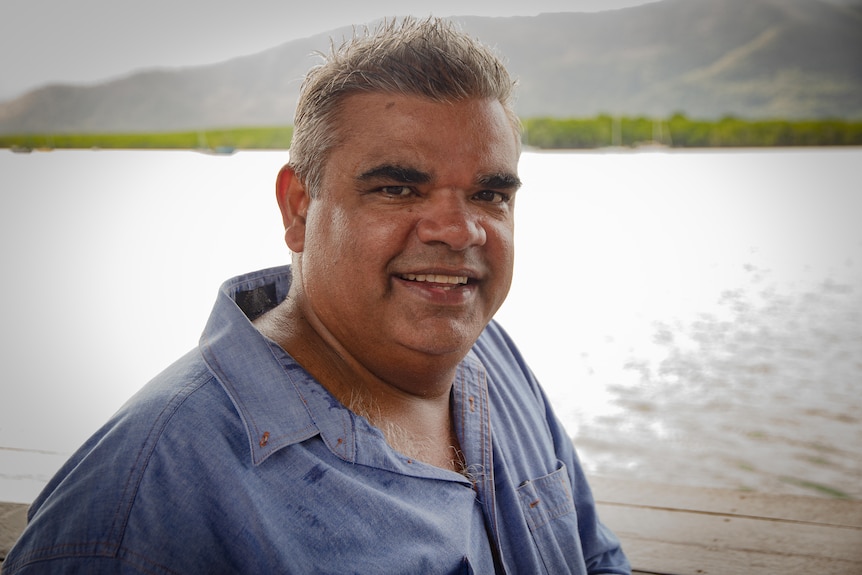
(679, 131)
(602, 131)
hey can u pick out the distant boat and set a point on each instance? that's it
(657, 144)
(218, 150)
(205, 148)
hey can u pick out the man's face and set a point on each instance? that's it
(408, 246)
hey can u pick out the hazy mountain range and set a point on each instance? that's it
(705, 58)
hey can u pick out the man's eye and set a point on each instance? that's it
(397, 191)
(492, 197)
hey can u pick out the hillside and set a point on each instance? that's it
(706, 58)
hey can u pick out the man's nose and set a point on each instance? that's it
(449, 218)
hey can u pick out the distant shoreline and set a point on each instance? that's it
(599, 132)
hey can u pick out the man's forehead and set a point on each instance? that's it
(363, 112)
(424, 139)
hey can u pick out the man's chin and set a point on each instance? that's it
(443, 341)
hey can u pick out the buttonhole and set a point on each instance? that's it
(264, 439)
(534, 504)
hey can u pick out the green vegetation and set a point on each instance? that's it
(225, 140)
(678, 131)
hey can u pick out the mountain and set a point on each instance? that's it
(705, 58)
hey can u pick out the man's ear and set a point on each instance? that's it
(293, 202)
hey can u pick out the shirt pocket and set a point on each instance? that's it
(549, 509)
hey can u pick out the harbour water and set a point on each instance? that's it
(695, 316)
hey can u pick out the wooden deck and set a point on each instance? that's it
(673, 530)
(13, 519)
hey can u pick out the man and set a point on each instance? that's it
(359, 411)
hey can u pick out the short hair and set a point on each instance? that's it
(427, 58)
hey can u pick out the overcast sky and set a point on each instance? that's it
(85, 41)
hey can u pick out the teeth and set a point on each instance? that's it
(437, 279)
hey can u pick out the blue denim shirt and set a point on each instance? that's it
(235, 460)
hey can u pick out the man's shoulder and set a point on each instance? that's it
(162, 395)
(183, 397)
(495, 337)
(496, 348)
(185, 390)
(107, 478)
(512, 384)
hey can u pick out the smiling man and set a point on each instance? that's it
(358, 411)
(403, 257)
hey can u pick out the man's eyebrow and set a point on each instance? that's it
(499, 181)
(402, 174)
(396, 174)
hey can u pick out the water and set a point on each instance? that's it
(702, 312)
(694, 316)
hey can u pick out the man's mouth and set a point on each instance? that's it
(435, 278)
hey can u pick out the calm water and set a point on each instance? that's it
(694, 316)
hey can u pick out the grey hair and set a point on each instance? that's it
(426, 58)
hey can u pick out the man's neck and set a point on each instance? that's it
(421, 435)
(417, 425)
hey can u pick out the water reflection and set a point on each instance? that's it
(698, 314)
(766, 390)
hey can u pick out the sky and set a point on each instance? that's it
(87, 41)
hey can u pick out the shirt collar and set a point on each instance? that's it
(270, 394)
(281, 404)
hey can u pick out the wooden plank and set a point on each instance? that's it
(679, 530)
(683, 542)
(13, 519)
(726, 501)
(673, 559)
